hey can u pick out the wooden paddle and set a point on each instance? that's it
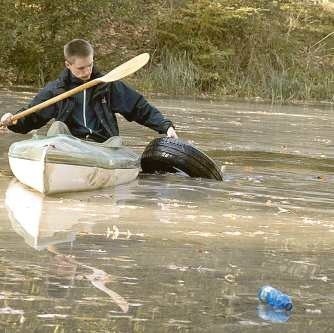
(118, 73)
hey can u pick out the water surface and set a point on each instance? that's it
(168, 253)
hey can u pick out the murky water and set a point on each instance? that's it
(168, 253)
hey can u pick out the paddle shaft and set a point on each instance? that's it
(56, 99)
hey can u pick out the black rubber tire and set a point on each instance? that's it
(173, 155)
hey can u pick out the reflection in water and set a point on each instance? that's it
(43, 225)
(98, 277)
(39, 222)
(266, 312)
(61, 276)
(183, 254)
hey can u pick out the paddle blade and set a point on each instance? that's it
(126, 69)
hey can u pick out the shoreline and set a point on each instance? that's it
(204, 97)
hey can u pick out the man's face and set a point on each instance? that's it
(81, 67)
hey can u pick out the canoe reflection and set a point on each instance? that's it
(44, 222)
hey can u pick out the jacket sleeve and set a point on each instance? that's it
(134, 107)
(39, 118)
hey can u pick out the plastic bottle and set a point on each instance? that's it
(275, 298)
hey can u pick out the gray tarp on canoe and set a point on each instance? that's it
(67, 149)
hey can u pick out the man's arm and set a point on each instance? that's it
(134, 107)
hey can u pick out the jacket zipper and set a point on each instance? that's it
(84, 111)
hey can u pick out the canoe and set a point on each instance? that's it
(63, 163)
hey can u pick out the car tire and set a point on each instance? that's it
(172, 155)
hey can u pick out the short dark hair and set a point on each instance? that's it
(77, 48)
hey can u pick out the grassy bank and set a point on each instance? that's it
(277, 50)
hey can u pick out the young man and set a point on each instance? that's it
(90, 114)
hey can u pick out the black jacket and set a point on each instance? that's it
(105, 100)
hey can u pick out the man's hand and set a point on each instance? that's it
(171, 133)
(6, 120)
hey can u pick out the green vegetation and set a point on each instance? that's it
(278, 50)
(173, 75)
(33, 32)
(282, 50)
